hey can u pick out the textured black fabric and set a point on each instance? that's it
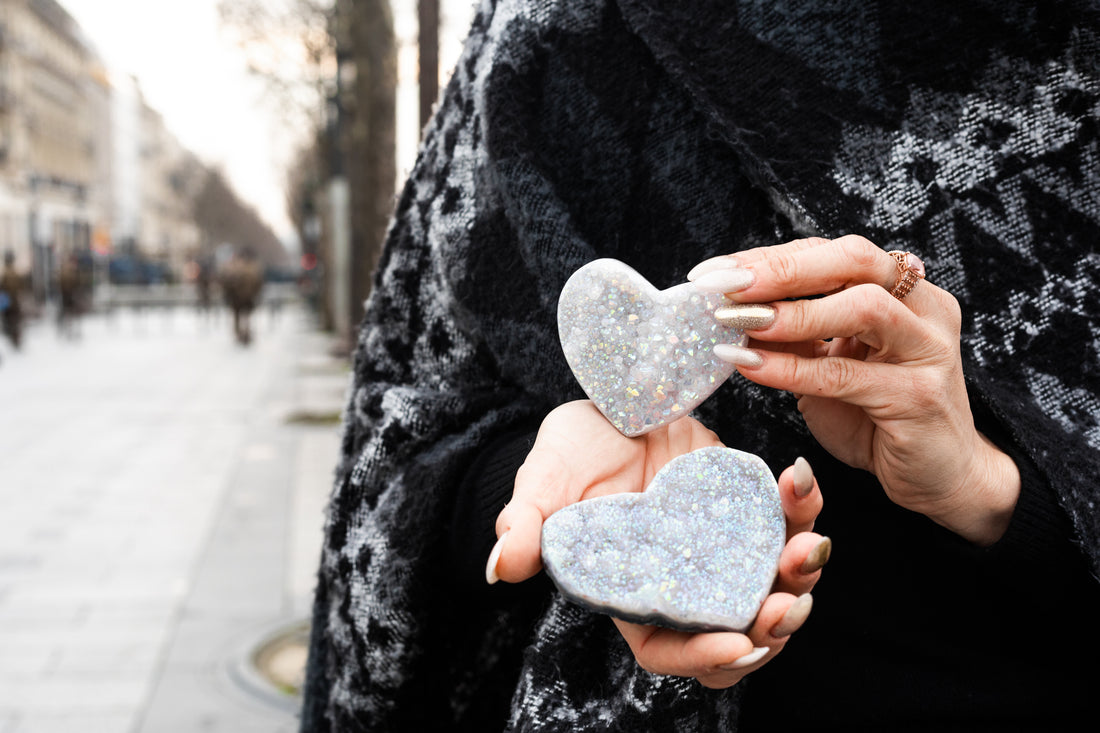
(662, 133)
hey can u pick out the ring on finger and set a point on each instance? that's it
(910, 272)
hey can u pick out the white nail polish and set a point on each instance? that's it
(722, 262)
(738, 355)
(494, 557)
(725, 281)
(749, 659)
(803, 477)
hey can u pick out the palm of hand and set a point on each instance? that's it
(579, 455)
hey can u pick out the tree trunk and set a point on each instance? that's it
(428, 49)
(371, 158)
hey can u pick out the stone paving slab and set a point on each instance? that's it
(162, 511)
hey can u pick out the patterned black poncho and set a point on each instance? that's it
(663, 133)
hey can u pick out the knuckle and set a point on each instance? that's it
(797, 317)
(839, 375)
(808, 242)
(869, 303)
(860, 251)
(784, 269)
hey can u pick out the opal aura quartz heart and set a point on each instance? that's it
(698, 550)
(643, 356)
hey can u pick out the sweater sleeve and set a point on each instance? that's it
(482, 494)
(1040, 540)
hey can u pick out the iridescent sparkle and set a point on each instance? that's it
(643, 356)
(698, 550)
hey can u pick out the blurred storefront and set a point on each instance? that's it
(87, 167)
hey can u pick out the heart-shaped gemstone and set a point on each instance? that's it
(697, 550)
(643, 356)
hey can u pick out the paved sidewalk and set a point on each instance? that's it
(161, 501)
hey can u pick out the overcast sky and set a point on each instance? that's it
(191, 72)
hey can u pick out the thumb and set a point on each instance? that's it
(517, 554)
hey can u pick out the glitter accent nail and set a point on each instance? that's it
(749, 317)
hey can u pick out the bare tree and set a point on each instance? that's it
(224, 219)
(288, 44)
(370, 130)
(428, 53)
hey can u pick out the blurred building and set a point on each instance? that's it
(86, 165)
(47, 134)
(169, 176)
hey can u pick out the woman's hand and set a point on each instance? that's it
(879, 380)
(578, 455)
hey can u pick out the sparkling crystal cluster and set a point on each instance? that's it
(698, 550)
(643, 356)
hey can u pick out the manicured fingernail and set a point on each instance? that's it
(738, 355)
(803, 477)
(747, 317)
(749, 659)
(494, 557)
(818, 556)
(795, 616)
(722, 262)
(725, 281)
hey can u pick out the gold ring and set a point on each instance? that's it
(910, 270)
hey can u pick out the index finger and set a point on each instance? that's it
(812, 266)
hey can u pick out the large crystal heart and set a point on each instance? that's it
(643, 356)
(697, 550)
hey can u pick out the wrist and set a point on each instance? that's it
(986, 499)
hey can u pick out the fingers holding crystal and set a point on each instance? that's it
(814, 266)
(864, 312)
(721, 659)
(661, 650)
(801, 497)
(801, 562)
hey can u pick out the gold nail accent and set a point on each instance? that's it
(818, 556)
(747, 317)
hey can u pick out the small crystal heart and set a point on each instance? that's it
(698, 550)
(643, 356)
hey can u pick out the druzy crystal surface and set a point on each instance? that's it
(643, 356)
(697, 550)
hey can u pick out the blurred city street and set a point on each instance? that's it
(162, 491)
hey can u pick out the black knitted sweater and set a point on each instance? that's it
(662, 133)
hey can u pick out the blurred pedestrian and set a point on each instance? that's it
(204, 284)
(11, 309)
(242, 282)
(69, 290)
